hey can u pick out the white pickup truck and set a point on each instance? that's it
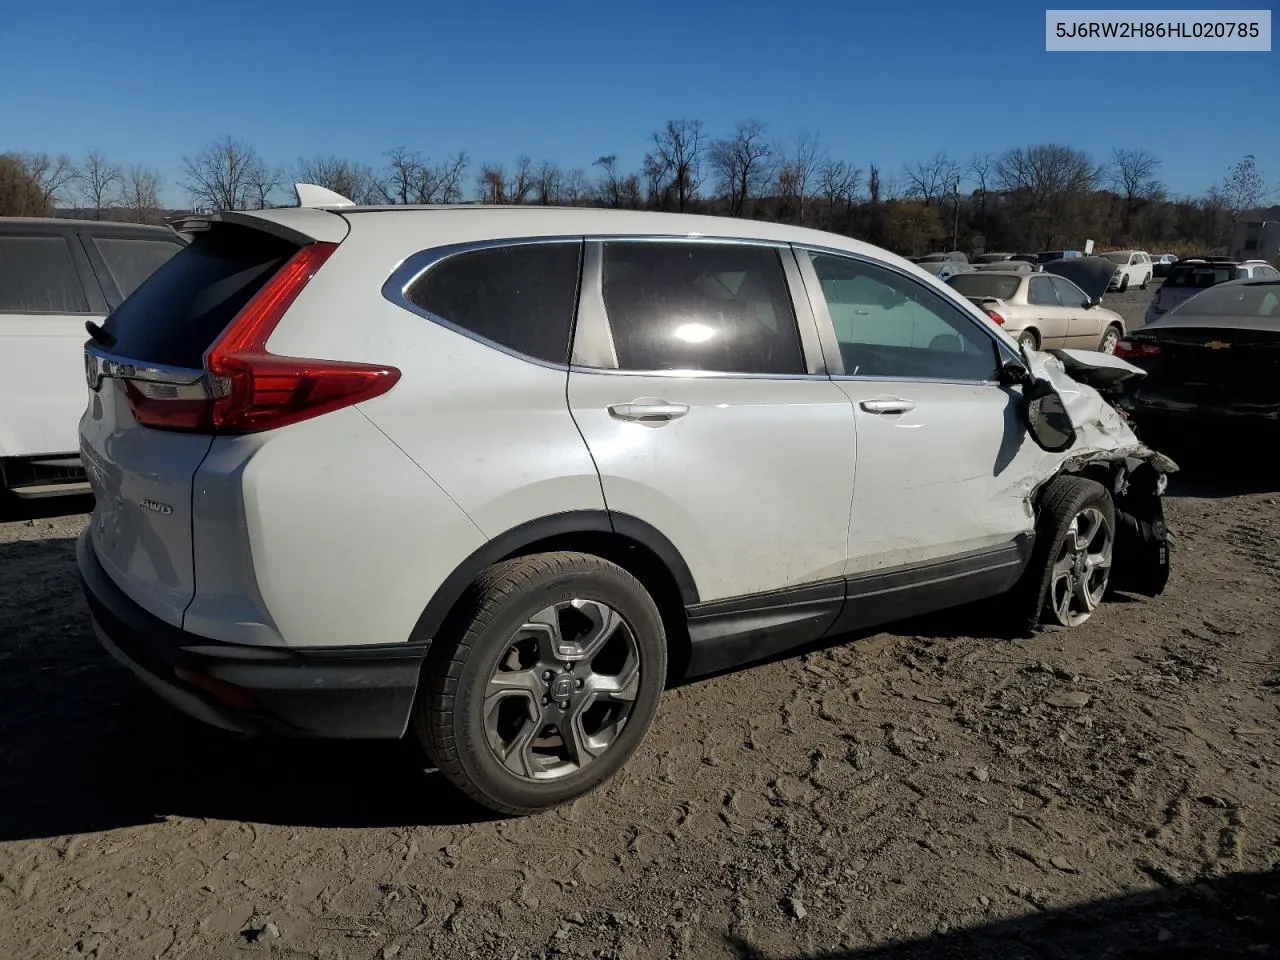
(56, 275)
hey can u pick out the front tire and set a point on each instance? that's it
(1070, 564)
(550, 683)
(1124, 283)
(1110, 337)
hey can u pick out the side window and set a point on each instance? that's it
(720, 307)
(1069, 295)
(38, 275)
(1040, 292)
(519, 296)
(130, 260)
(886, 325)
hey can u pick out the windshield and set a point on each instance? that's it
(1199, 277)
(985, 285)
(1121, 257)
(1244, 300)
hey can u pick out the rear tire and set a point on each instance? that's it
(528, 657)
(1029, 339)
(1076, 517)
(1146, 280)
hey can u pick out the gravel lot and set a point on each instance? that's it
(929, 791)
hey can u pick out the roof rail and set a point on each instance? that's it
(320, 198)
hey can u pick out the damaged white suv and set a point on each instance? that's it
(494, 475)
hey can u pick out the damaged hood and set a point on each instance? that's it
(1099, 370)
(1091, 274)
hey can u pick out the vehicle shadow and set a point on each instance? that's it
(1230, 916)
(1213, 467)
(42, 508)
(87, 747)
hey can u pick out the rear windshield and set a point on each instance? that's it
(179, 311)
(1260, 300)
(985, 285)
(1199, 277)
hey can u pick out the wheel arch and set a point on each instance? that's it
(636, 546)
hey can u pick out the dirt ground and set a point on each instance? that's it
(928, 791)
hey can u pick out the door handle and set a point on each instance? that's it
(888, 405)
(645, 409)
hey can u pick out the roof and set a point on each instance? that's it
(61, 225)
(424, 226)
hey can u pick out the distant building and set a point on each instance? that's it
(1257, 239)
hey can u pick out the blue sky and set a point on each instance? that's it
(148, 82)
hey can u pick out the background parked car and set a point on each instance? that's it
(1041, 310)
(54, 276)
(985, 258)
(1045, 256)
(1189, 277)
(1162, 263)
(942, 269)
(1214, 362)
(1133, 269)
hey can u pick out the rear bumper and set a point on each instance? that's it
(1157, 408)
(363, 692)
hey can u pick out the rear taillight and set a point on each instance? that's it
(998, 318)
(1132, 349)
(246, 389)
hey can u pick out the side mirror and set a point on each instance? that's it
(1046, 416)
(1013, 373)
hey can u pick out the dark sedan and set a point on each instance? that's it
(1213, 362)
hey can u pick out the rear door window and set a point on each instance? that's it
(181, 309)
(130, 260)
(38, 275)
(722, 307)
(1040, 292)
(520, 297)
(1069, 295)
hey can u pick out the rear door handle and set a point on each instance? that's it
(646, 409)
(888, 405)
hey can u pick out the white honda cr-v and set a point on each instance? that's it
(494, 475)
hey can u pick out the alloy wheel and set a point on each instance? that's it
(1109, 341)
(562, 690)
(1082, 568)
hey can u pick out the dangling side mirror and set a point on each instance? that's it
(1046, 416)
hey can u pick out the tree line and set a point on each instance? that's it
(1022, 199)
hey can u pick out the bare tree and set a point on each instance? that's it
(932, 179)
(980, 168)
(610, 180)
(1244, 189)
(227, 174)
(20, 193)
(873, 184)
(98, 179)
(1132, 174)
(1048, 186)
(140, 194)
(51, 174)
(575, 189)
(674, 166)
(493, 183)
(355, 181)
(799, 171)
(521, 183)
(744, 164)
(449, 174)
(547, 183)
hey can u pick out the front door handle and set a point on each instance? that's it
(888, 405)
(647, 409)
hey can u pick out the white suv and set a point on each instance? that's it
(493, 475)
(55, 276)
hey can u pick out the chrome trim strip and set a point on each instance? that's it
(99, 364)
(412, 268)
(698, 374)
